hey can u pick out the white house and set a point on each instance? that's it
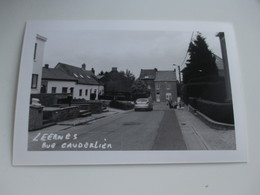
(67, 79)
(37, 64)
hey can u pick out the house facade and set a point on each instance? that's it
(66, 79)
(38, 57)
(148, 76)
(162, 84)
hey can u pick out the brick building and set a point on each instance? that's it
(162, 84)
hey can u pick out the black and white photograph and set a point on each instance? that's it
(124, 90)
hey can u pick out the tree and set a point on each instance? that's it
(118, 84)
(202, 62)
(140, 89)
(129, 75)
(101, 73)
(130, 78)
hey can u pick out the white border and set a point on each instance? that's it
(23, 157)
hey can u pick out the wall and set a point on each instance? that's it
(202, 179)
(90, 88)
(38, 61)
(59, 85)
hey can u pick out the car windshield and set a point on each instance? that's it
(142, 100)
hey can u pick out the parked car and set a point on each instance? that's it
(143, 104)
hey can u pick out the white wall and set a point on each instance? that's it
(202, 179)
(38, 61)
(90, 88)
(59, 85)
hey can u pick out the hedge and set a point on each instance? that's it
(213, 91)
(220, 112)
(121, 105)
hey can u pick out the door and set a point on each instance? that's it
(157, 97)
(168, 96)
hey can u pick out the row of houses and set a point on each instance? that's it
(68, 79)
(84, 84)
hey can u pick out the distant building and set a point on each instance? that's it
(165, 86)
(68, 79)
(37, 64)
(162, 84)
(148, 76)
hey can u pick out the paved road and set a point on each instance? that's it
(155, 130)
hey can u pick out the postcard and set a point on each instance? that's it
(129, 92)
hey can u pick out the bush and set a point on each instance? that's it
(214, 91)
(220, 112)
(93, 96)
(193, 102)
(121, 105)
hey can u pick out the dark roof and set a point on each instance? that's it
(147, 74)
(56, 74)
(82, 76)
(165, 76)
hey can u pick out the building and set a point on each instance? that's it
(148, 76)
(165, 86)
(68, 79)
(37, 64)
(162, 84)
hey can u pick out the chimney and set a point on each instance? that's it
(84, 66)
(93, 70)
(46, 66)
(114, 69)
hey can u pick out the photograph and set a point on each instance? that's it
(124, 88)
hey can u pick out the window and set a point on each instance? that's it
(64, 89)
(53, 90)
(35, 50)
(71, 90)
(86, 92)
(95, 91)
(80, 92)
(34, 81)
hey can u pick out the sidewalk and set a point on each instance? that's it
(199, 136)
(93, 117)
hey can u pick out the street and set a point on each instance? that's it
(127, 130)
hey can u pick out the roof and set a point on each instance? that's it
(81, 75)
(56, 74)
(147, 74)
(167, 75)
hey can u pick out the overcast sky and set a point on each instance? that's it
(133, 50)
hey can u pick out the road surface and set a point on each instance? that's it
(151, 130)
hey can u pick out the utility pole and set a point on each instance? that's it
(221, 36)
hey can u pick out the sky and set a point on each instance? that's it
(132, 50)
